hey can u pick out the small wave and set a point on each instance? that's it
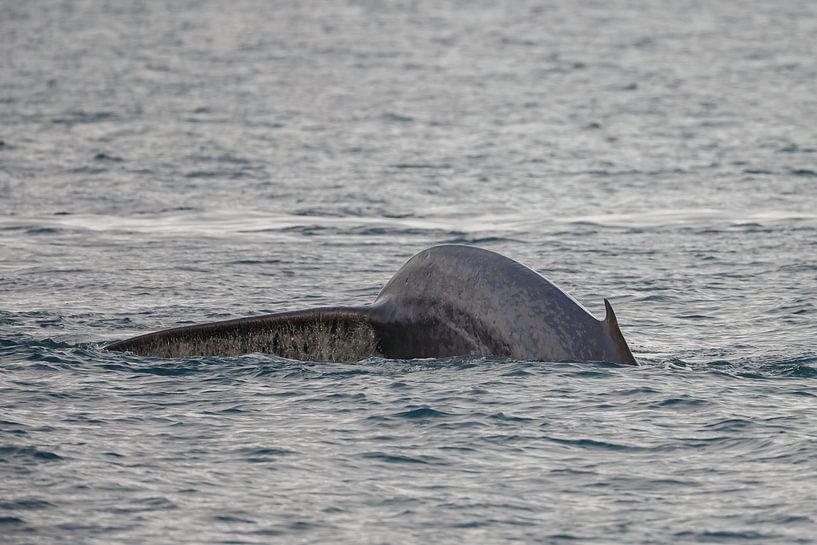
(25, 504)
(422, 413)
(466, 238)
(656, 298)
(420, 166)
(794, 148)
(44, 231)
(593, 444)
(394, 231)
(730, 424)
(352, 212)
(266, 451)
(10, 453)
(81, 117)
(728, 537)
(774, 367)
(227, 174)
(223, 158)
(255, 262)
(148, 504)
(797, 370)
(396, 458)
(508, 418)
(396, 118)
(231, 519)
(108, 158)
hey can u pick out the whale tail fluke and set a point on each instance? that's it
(341, 334)
(613, 329)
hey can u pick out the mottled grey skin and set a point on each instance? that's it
(445, 301)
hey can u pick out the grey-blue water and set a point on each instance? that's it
(167, 163)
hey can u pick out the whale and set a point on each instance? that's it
(448, 300)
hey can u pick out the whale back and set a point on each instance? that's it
(451, 300)
(445, 301)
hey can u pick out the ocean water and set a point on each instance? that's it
(169, 163)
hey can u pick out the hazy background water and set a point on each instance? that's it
(171, 163)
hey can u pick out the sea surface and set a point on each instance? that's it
(170, 163)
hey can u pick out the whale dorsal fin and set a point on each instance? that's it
(609, 316)
(613, 329)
